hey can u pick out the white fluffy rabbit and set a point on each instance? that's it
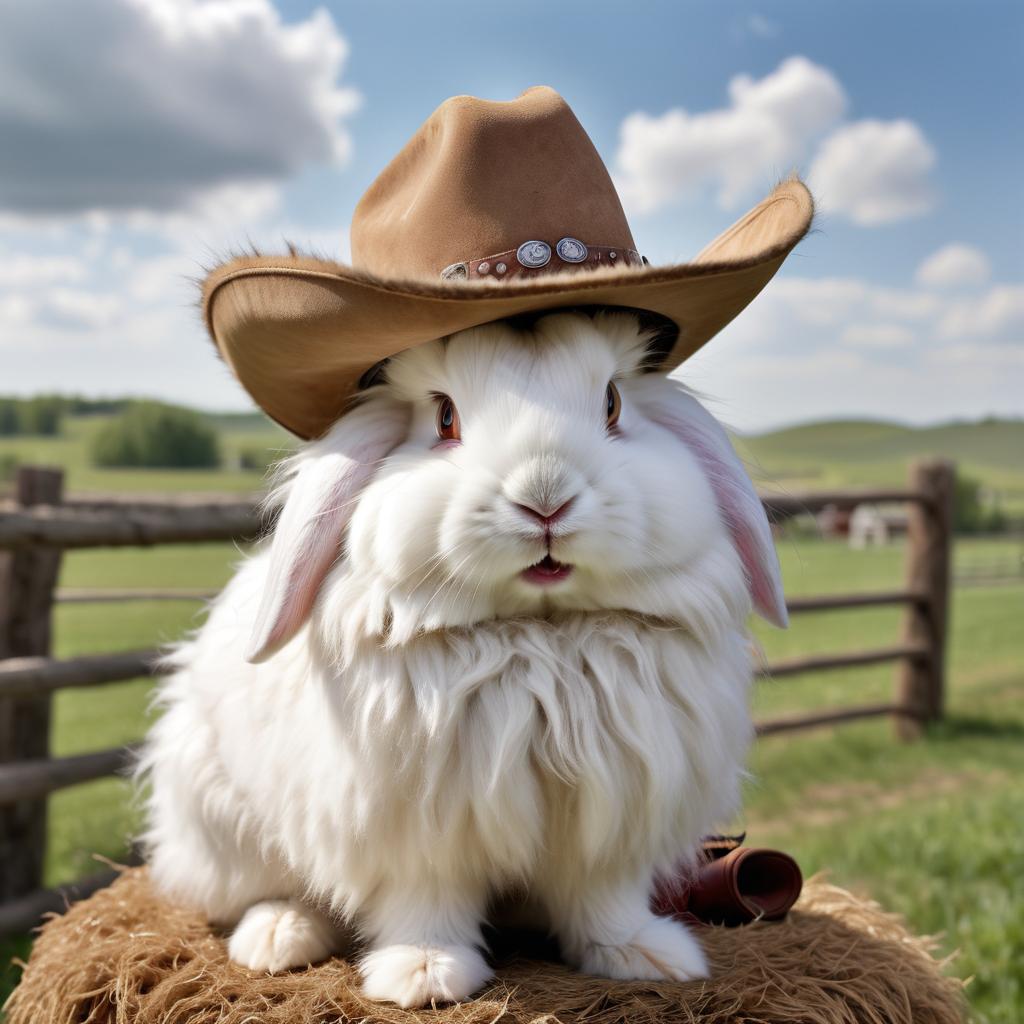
(497, 642)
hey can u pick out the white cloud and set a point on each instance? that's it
(874, 172)
(212, 219)
(997, 312)
(79, 309)
(161, 278)
(877, 336)
(764, 131)
(152, 104)
(825, 348)
(26, 272)
(15, 311)
(831, 302)
(954, 265)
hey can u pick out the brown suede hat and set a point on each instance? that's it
(490, 210)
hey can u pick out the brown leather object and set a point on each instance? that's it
(505, 265)
(740, 886)
(478, 177)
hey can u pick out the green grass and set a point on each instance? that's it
(930, 829)
(71, 451)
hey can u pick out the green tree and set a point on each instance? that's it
(39, 415)
(968, 512)
(8, 417)
(153, 435)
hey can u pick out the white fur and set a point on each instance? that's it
(438, 730)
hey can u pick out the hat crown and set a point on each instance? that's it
(478, 179)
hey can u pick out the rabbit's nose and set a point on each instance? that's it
(544, 514)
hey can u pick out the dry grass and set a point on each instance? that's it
(127, 957)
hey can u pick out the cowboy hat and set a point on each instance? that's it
(489, 211)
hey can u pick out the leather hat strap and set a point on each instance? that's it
(538, 257)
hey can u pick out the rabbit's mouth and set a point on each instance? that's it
(546, 572)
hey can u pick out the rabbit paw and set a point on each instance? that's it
(662, 949)
(414, 976)
(277, 935)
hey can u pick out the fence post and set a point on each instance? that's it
(27, 581)
(921, 687)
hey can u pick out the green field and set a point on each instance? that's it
(931, 829)
(71, 451)
(864, 453)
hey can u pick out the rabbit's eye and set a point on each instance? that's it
(448, 427)
(614, 404)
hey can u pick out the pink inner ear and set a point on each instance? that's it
(312, 553)
(309, 531)
(742, 511)
(765, 589)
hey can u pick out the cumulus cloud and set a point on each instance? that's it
(766, 128)
(954, 265)
(874, 172)
(149, 104)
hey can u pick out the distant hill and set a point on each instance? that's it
(995, 442)
(864, 452)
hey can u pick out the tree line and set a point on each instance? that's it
(41, 415)
(139, 433)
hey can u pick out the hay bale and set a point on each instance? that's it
(126, 956)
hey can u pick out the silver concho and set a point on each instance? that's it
(534, 254)
(572, 250)
(455, 272)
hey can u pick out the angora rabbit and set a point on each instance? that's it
(497, 642)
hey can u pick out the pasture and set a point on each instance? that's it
(930, 829)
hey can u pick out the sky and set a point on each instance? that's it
(142, 140)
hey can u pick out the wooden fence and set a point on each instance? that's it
(40, 525)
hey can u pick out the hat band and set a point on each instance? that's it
(537, 257)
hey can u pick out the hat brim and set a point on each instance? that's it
(300, 332)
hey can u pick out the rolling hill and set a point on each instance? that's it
(823, 454)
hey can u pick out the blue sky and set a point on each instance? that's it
(151, 135)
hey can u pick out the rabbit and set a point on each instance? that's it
(497, 642)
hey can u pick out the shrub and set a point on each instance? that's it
(153, 435)
(968, 512)
(971, 513)
(40, 415)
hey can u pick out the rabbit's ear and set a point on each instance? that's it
(321, 496)
(737, 500)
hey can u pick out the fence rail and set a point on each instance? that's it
(39, 525)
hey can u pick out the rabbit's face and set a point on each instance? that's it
(532, 479)
(505, 472)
